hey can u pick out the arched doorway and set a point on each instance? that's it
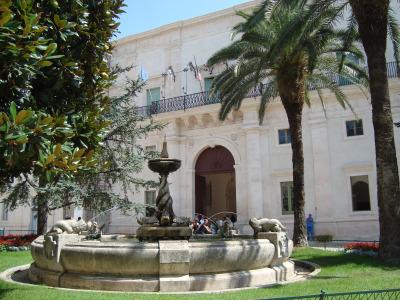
(215, 181)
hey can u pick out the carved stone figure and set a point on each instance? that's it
(266, 225)
(73, 226)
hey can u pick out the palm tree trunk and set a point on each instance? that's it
(373, 31)
(291, 90)
(294, 114)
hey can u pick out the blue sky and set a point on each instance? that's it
(142, 15)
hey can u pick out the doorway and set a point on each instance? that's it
(215, 186)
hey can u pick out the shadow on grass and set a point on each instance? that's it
(5, 291)
(334, 259)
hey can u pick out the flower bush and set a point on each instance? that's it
(362, 247)
(12, 241)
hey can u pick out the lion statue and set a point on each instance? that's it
(73, 226)
(266, 225)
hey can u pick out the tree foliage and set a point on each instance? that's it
(284, 52)
(59, 129)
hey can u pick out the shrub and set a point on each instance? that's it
(324, 238)
(362, 246)
(10, 242)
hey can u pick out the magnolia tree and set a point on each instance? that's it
(59, 129)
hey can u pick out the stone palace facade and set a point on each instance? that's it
(240, 166)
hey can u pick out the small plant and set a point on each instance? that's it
(12, 242)
(324, 238)
(362, 246)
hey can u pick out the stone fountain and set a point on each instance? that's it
(164, 224)
(164, 257)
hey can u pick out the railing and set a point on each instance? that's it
(390, 294)
(5, 231)
(337, 244)
(200, 99)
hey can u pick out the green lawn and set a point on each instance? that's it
(339, 273)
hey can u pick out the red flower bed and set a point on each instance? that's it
(17, 240)
(363, 246)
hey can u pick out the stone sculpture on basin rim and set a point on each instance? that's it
(266, 225)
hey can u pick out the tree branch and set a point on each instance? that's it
(62, 206)
(30, 182)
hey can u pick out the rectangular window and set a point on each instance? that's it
(284, 136)
(360, 193)
(354, 128)
(207, 83)
(4, 212)
(151, 148)
(150, 199)
(153, 95)
(287, 197)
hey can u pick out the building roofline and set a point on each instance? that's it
(188, 22)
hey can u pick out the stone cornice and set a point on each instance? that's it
(186, 23)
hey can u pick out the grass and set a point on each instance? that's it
(340, 273)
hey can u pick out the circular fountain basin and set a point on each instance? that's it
(168, 266)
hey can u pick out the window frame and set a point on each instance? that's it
(145, 198)
(356, 135)
(278, 137)
(351, 194)
(149, 102)
(290, 203)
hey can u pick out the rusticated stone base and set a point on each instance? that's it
(155, 233)
(178, 283)
(165, 265)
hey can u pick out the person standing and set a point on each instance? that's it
(310, 227)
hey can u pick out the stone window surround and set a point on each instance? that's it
(279, 176)
(369, 194)
(361, 169)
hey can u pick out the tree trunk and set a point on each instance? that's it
(42, 210)
(42, 218)
(373, 31)
(294, 114)
(291, 91)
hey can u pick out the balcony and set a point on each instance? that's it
(200, 99)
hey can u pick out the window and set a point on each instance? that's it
(150, 199)
(4, 212)
(284, 136)
(151, 148)
(287, 197)
(153, 95)
(360, 193)
(207, 83)
(354, 128)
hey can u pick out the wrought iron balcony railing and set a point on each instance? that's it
(199, 99)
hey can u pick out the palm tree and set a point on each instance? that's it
(374, 21)
(287, 67)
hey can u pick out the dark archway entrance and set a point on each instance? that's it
(215, 181)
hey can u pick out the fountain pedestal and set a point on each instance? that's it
(148, 232)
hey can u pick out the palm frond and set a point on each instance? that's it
(394, 34)
(270, 91)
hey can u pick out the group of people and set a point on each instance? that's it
(202, 225)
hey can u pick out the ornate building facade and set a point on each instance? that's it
(237, 165)
(240, 166)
